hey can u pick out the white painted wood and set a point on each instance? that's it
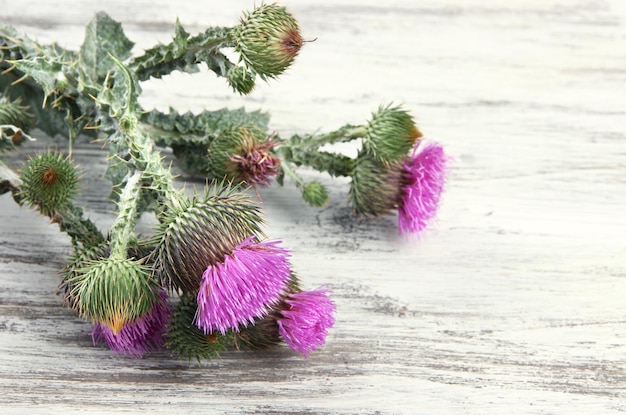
(512, 303)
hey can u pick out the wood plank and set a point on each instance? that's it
(512, 303)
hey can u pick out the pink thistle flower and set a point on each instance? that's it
(256, 164)
(305, 321)
(139, 336)
(424, 178)
(243, 286)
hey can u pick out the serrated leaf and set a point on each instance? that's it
(104, 38)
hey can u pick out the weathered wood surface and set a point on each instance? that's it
(514, 302)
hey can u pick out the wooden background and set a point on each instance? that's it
(513, 302)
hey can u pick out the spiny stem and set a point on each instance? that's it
(123, 228)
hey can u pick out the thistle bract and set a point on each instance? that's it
(139, 336)
(424, 179)
(306, 319)
(242, 287)
(241, 80)
(113, 291)
(375, 186)
(49, 182)
(200, 232)
(315, 194)
(391, 133)
(268, 40)
(187, 340)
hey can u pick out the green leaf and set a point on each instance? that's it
(104, 38)
(184, 53)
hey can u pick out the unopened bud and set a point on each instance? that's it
(268, 40)
(391, 134)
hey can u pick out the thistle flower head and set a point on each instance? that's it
(243, 154)
(391, 133)
(268, 40)
(375, 186)
(243, 286)
(49, 182)
(139, 336)
(315, 194)
(200, 232)
(306, 319)
(241, 80)
(113, 291)
(424, 179)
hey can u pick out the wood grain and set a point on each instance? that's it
(513, 302)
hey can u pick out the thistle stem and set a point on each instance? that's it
(342, 135)
(123, 228)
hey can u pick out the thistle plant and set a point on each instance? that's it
(207, 278)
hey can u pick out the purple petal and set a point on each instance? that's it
(139, 336)
(305, 323)
(241, 288)
(426, 171)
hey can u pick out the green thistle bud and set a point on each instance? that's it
(188, 341)
(268, 40)
(391, 133)
(375, 186)
(49, 181)
(242, 154)
(200, 232)
(113, 291)
(241, 80)
(315, 194)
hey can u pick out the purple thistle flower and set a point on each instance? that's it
(305, 322)
(243, 286)
(139, 336)
(425, 175)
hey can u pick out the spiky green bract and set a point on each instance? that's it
(391, 133)
(268, 40)
(73, 271)
(241, 80)
(263, 333)
(198, 232)
(260, 335)
(49, 182)
(186, 340)
(113, 291)
(375, 186)
(242, 154)
(16, 114)
(79, 261)
(315, 194)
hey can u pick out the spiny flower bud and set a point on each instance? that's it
(391, 133)
(49, 181)
(375, 186)
(13, 113)
(186, 340)
(114, 291)
(241, 80)
(200, 232)
(315, 194)
(243, 154)
(268, 40)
